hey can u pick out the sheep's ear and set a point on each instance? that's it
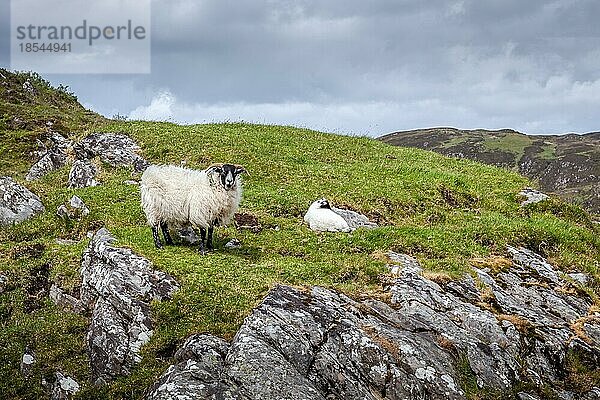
(240, 170)
(214, 168)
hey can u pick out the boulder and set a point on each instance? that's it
(82, 174)
(532, 196)
(74, 209)
(17, 203)
(319, 344)
(113, 148)
(118, 286)
(64, 387)
(53, 158)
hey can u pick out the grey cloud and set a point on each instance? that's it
(529, 65)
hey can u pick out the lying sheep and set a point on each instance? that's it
(320, 217)
(175, 197)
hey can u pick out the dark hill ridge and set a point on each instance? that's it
(568, 165)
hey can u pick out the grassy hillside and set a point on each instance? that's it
(568, 165)
(444, 211)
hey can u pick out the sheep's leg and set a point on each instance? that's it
(209, 238)
(202, 240)
(157, 242)
(165, 230)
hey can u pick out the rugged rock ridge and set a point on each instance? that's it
(118, 286)
(428, 342)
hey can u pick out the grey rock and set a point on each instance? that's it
(532, 196)
(65, 300)
(593, 394)
(526, 396)
(113, 148)
(17, 203)
(319, 344)
(198, 372)
(77, 204)
(75, 209)
(62, 212)
(131, 182)
(118, 286)
(580, 277)
(51, 159)
(27, 363)
(355, 220)
(187, 234)
(82, 174)
(402, 262)
(28, 87)
(233, 244)
(49, 162)
(64, 387)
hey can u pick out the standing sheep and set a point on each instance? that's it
(175, 197)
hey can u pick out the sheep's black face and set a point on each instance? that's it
(323, 203)
(228, 174)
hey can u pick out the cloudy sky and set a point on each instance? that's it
(364, 67)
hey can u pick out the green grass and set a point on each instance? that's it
(511, 142)
(548, 152)
(443, 211)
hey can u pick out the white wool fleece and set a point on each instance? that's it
(324, 219)
(181, 196)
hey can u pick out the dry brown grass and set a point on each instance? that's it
(382, 341)
(521, 324)
(445, 343)
(495, 264)
(578, 327)
(441, 278)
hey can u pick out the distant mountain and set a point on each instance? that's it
(568, 165)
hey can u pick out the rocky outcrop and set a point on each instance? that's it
(496, 329)
(118, 286)
(52, 158)
(82, 174)
(113, 148)
(17, 203)
(65, 300)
